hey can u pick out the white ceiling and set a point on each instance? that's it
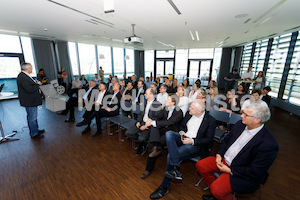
(156, 20)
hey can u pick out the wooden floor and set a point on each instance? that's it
(68, 165)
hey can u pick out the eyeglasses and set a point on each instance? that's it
(243, 113)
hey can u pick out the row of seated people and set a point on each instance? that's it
(193, 137)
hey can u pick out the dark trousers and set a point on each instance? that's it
(136, 134)
(177, 152)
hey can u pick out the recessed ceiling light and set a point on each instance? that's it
(241, 16)
(45, 29)
(197, 35)
(192, 36)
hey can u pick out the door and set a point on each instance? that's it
(164, 67)
(200, 69)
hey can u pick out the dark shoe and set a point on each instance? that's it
(81, 124)
(145, 174)
(155, 152)
(87, 129)
(70, 120)
(97, 133)
(208, 197)
(174, 173)
(41, 131)
(159, 193)
(38, 136)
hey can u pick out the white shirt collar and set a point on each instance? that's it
(255, 130)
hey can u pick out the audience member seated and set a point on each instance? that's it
(110, 86)
(194, 138)
(73, 101)
(62, 77)
(243, 157)
(201, 94)
(139, 132)
(163, 95)
(255, 98)
(153, 87)
(193, 94)
(240, 93)
(97, 80)
(134, 81)
(85, 83)
(211, 84)
(170, 89)
(264, 94)
(211, 102)
(98, 104)
(126, 80)
(122, 86)
(175, 85)
(183, 103)
(186, 85)
(148, 82)
(260, 81)
(139, 92)
(127, 96)
(230, 105)
(110, 108)
(42, 77)
(166, 120)
(76, 85)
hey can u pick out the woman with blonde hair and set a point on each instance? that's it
(183, 103)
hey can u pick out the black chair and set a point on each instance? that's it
(222, 117)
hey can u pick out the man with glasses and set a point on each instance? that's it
(243, 158)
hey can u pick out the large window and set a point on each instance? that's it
(216, 63)
(118, 61)
(246, 58)
(201, 53)
(9, 67)
(277, 61)
(292, 89)
(10, 44)
(129, 59)
(181, 63)
(259, 56)
(104, 56)
(87, 59)
(149, 63)
(165, 54)
(73, 58)
(28, 55)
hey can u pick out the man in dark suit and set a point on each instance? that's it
(111, 106)
(30, 97)
(139, 131)
(194, 138)
(98, 103)
(139, 93)
(166, 120)
(244, 156)
(73, 101)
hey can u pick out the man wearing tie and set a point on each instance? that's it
(140, 93)
(30, 97)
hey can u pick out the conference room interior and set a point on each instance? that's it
(66, 164)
